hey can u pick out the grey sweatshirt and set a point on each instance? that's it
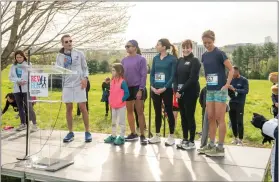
(76, 63)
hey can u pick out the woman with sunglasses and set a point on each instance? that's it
(161, 79)
(135, 73)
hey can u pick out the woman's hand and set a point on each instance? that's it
(225, 87)
(161, 90)
(139, 95)
(155, 90)
(83, 83)
(177, 95)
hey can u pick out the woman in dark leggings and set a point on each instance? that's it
(187, 88)
(161, 79)
(19, 76)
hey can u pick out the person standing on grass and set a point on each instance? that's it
(215, 63)
(87, 90)
(19, 76)
(187, 88)
(74, 86)
(135, 73)
(240, 87)
(105, 95)
(161, 79)
(119, 93)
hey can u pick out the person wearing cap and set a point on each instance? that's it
(135, 73)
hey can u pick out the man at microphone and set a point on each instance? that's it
(74, 85)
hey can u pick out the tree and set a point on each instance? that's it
(104, 67)
(40, 24)
(93, 66)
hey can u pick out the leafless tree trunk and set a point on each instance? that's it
(39, 24)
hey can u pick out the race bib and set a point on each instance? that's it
(160, 77)
(179, 86)
(212, 79)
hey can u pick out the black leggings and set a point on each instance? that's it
(236, 117)
(107, 107)
(167, 97)
(187, 112)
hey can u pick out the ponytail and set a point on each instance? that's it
(174, 51)
(138, 50)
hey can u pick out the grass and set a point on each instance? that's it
(258, 100)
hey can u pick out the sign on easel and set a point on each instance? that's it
(38, 84)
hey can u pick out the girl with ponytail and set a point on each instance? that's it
(161, 79)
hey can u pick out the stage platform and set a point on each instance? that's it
(98, 161)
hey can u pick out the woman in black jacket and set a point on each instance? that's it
(187, 88)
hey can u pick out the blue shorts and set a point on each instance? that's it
(217, 96)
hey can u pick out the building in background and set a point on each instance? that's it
(268, 39)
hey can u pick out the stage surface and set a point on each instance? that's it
(98, 161)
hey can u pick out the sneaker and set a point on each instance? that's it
(69, 137)
(88, 137)
(239, 143)
(235, 141)
(189, 145)
(143, 140)
(119, 140)
(155, 139)
(132, 137)
(179, 146)
(110, 139)
(34, 128)
(170, 141)
(215, 152)
(21, 127)
(204, 149)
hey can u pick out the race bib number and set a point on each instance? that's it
(160, 77)
(179, 86)
(212, 79)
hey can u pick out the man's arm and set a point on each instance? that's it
(245, 89)
(84, 67)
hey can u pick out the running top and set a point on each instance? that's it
(187, 75)
(214, 69)
(135, 71)
(163, 71)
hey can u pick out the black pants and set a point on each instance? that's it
(21, 101)
(107, 107)
(236, 117)
(167, 97)
(203, 112)
(187, 107)
(78, 110)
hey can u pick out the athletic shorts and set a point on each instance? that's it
(217, 96)
(74, 95)
(133, 93)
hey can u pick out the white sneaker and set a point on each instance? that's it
(235, 141)
(239, 143)
(189, 145)
(179, 146)
(155, 139)
(21, 127)
(34, 128)
(170, 141)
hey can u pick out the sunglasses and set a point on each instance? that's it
(66, 42)
(128, 46)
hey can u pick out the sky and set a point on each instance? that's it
(232, 22)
